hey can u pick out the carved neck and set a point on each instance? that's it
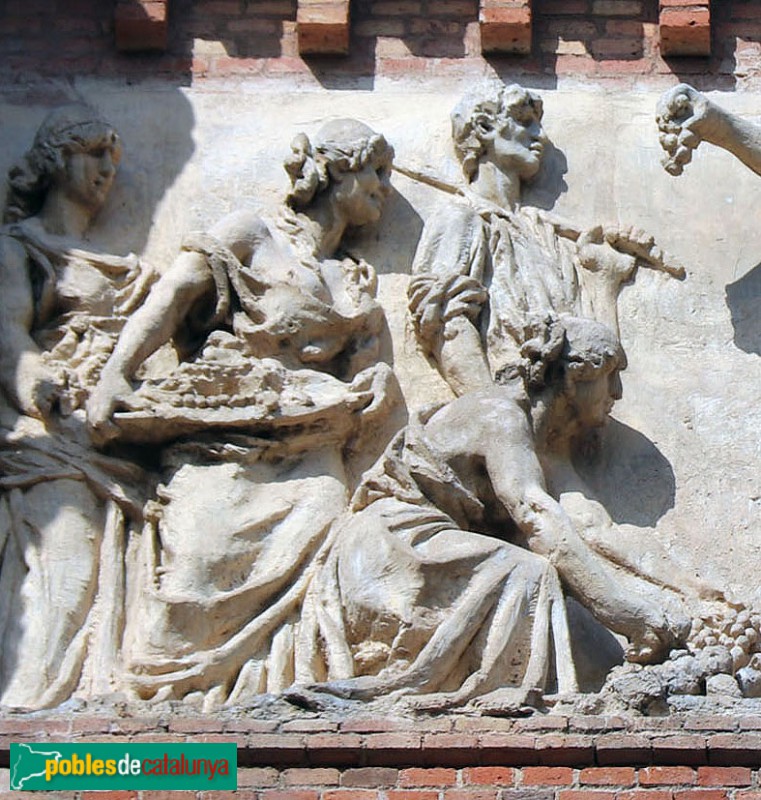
(61, 216)
(501, 188)
(324, 226)
(554, 424)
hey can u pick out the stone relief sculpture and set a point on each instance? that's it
(278, 337)
(65, 511)
(686, 118)
(485, 265)
(430, 589)
(445, 579)
(205, 549)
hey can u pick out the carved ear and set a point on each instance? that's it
(483, 124)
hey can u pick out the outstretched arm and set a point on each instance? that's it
(153, 324)
(500, 433)
(686, 117)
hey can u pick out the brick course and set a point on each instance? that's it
(627, 42)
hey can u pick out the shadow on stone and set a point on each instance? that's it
(630, 477)
(744, 303)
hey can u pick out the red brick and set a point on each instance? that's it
(373, 725)
(370, 776)
(119, 795)
(734, 749)
(240, 794)
(505, 26)
(645, 794)
(565, 750)
(471, 794)
(608, 776)
(700, 794)
(259, 777)
(334, 749)
(323, 27)
(685, 32)
(585, 794)
(666, 776)
(427, 777)
(169, 795)
(547, 776)
(348, 794)
(724, 776)
(452, 749)
(685, 750)
(320, 776)
(290, 794)
(309, 726)
(141, 25)
(507, 749)
(541, 723)
(406, 794)
(622, 749)
(490, 776)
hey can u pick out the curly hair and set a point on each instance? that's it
(341, 146)
(75, 128)
(556, 349)
(488, 103)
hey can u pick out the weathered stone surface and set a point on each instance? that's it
(676, 464)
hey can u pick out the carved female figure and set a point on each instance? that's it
(64, 511)
(445, 578)
(289, 329)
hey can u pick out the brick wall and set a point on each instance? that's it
(694, 757)
(599, 40)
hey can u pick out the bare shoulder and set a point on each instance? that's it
(242, 231)
(481, 419)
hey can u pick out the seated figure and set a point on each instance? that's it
(444, 580)
(277, 336)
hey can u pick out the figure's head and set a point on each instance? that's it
(579, 359)
(348, 160)
(75, 151)
(502, 124)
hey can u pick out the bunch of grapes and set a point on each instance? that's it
(737, 630)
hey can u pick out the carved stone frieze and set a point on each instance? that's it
(357, 446)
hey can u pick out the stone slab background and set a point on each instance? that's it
(682, 457)
(206, 125)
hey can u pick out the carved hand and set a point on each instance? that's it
(372, 391)
(38, 387)
(685, 118)
(598, 254)
(103, 401)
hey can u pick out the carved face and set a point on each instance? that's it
(88, 175)
(515, 143)
(359, 196)
(594, 397)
